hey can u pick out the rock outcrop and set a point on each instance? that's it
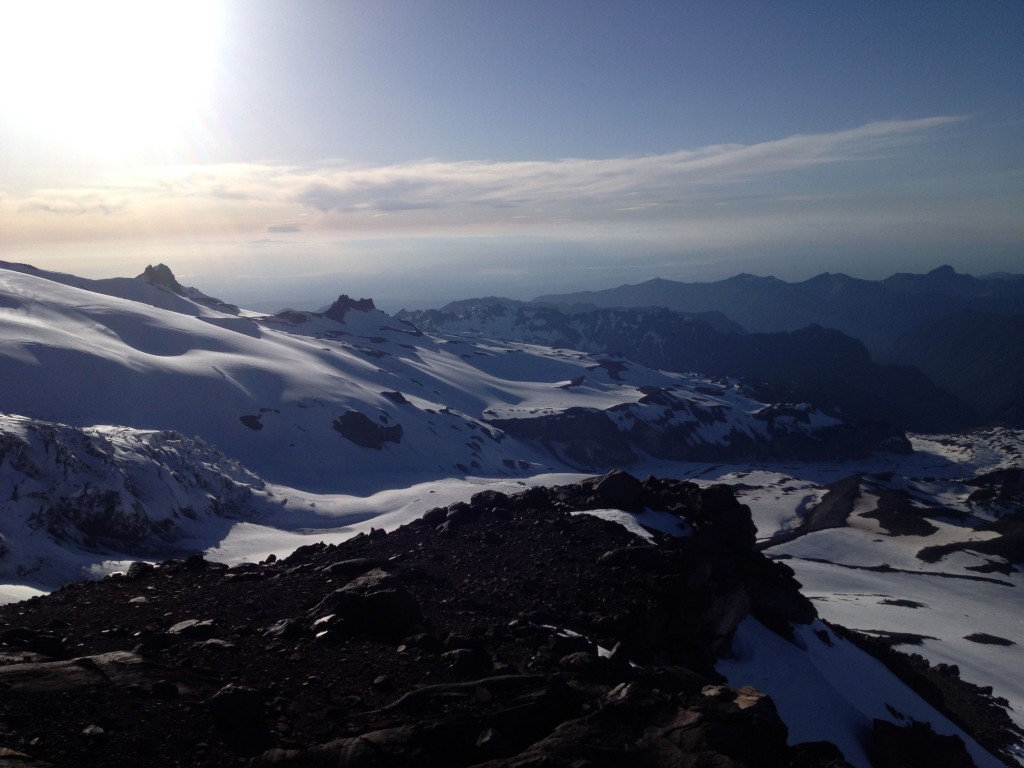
(109, 490)
(341, 307)
(669, 425)
(506, 631)
(363, 431)
(162, 276)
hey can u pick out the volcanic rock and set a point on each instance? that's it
(571, 642)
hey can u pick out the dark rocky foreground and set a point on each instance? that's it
(469, 637)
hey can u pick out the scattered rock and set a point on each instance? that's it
(417, 648)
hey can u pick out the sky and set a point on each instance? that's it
(280, 153)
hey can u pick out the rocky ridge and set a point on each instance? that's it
(506, 631)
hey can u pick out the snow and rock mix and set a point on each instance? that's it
(145, 420)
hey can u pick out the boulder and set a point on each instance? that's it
(375, 603)
(620, 490)
(194, 629)
(239, 715)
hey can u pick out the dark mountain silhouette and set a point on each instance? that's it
(813, 364)
(977, 356)
(876, 312)
(162, 276)
(497, 306)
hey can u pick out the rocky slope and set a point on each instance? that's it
(508, 631)
(65, 492)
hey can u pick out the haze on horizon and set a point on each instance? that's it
(422, 152)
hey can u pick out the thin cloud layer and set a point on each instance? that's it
(433, 195)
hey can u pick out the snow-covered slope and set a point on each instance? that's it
(347, 398)
(914, 550)
(109, 384)
(274, 395)
(156, 286)
(828, 689)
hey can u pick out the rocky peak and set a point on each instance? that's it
(341, 307)
(162, 276)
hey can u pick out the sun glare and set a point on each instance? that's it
(108, 76)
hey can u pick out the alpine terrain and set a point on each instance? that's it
(506, 533)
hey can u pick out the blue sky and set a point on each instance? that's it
(285, 152)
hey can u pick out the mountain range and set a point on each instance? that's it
(875, 311)
(879, 313)
(814, 364)
(975, 355)
(142, 420)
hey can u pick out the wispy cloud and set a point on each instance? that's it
(575, 181)
(242, 199)
(62, 202)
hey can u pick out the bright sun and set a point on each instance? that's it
(108, 76)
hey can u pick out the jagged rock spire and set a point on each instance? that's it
(161, 275)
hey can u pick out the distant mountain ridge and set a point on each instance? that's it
(812, 364)
(470, 310)
(875, 311)
(977, 356)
